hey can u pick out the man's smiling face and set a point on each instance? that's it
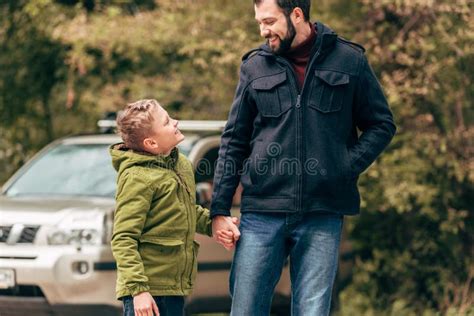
(275, 27)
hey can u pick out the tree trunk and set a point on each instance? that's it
(48, 119)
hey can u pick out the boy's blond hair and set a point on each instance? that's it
(134, 123)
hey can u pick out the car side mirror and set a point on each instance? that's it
(204, 194)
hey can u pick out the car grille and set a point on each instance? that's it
(23, 234)
(4, 232)
(28, 235)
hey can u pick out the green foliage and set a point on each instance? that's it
(30, 63)
(413, 241)
(64, 63)
(181, 58)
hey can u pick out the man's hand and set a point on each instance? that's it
(145, 305)
(225, 231)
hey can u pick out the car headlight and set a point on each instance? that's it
(75, 237)
(79, 230)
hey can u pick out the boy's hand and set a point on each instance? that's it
(145, 305)
(236, 221)
(225, 231)
(226, 238)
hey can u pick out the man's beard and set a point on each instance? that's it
(285, 43)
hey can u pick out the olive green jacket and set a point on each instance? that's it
(155, 220)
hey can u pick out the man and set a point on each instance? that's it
(292, 141)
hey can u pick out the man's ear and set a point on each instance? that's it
(298, 15)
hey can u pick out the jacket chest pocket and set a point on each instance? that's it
(328, 91)
(272, 94)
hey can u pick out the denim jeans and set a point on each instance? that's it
(167, 305)
(311, 241)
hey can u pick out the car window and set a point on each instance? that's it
(81, 170)
(75, 170)
(205, 173)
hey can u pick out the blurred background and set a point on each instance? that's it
(65, 63)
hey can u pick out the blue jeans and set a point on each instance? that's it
(311, 240)
(167, 305)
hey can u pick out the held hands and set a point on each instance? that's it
(145, 305)
(225, 231)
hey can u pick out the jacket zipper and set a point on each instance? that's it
(308, 73)
(299, 127)
(299, 146)
(183, 183)
(191, 267)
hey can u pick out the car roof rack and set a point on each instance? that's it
(108, 125)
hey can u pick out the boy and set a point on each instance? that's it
(156, 213)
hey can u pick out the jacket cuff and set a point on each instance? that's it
(137, 288)
(220, 212)
(209, 227)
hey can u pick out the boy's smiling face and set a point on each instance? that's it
(164, 135)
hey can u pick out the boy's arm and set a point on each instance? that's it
(203, 221)
(133, 197)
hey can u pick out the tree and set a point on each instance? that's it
(413, 241)
(185, 60)
(31, 65)
(65, 62)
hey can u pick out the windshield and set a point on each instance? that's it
(83, 170)
(73, 169)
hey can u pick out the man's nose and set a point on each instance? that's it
(175, 123)
(264, 32)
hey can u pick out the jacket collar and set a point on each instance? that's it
(124, 157)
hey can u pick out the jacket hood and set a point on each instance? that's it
(325, 40)
(124, 158)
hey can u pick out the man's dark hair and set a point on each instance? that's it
(288, 5)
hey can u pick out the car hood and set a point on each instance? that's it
(49, 210)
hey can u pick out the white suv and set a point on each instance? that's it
(56, 221)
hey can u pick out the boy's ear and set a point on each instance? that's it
(149, 143)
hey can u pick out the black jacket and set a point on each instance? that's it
(298, 150)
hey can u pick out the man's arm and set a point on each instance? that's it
(373, 117)
(234, 149)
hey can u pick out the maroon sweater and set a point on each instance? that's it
(299, 56)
